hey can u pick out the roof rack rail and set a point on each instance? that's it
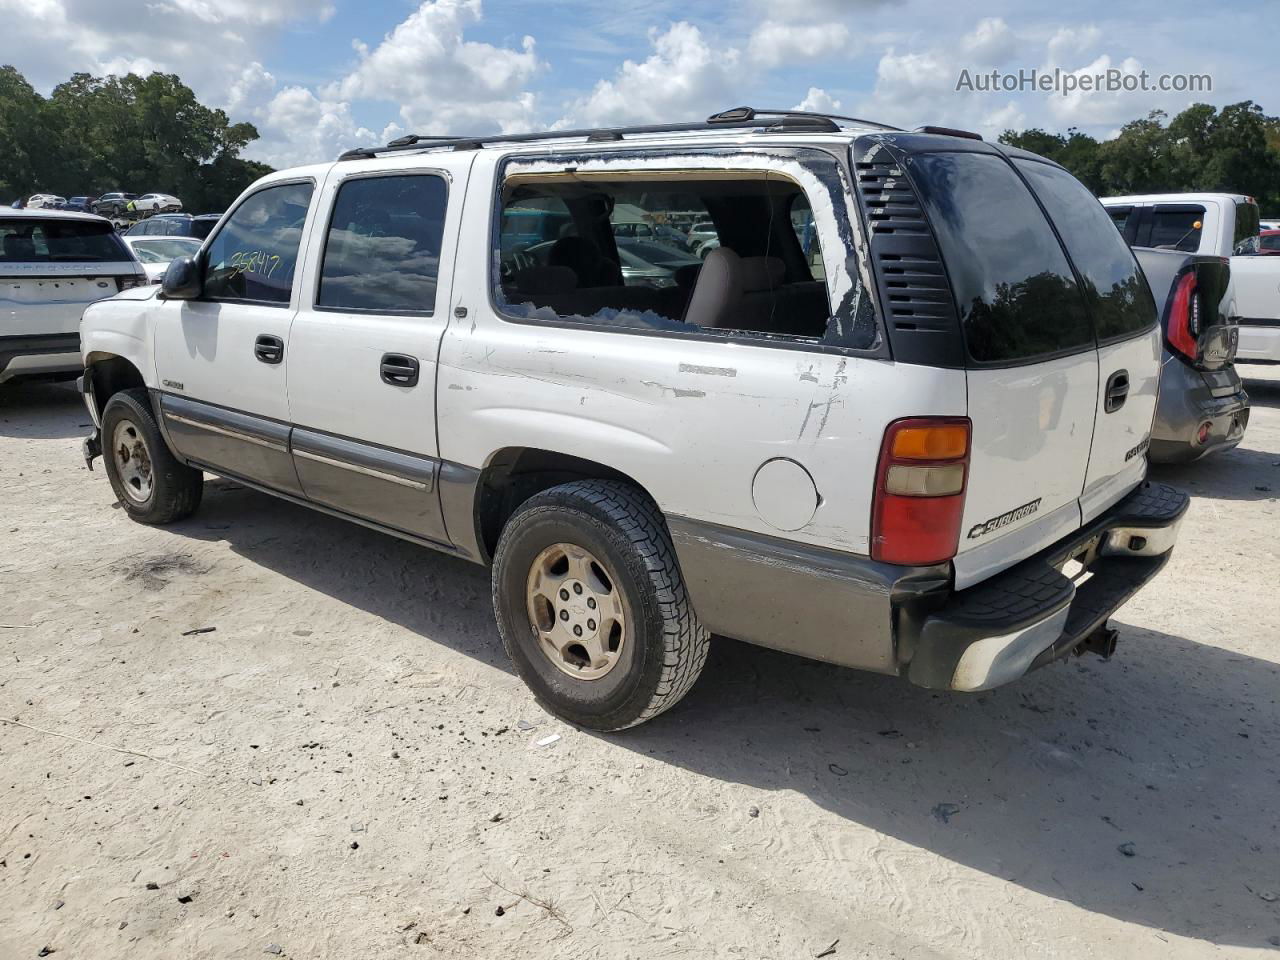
(745, 118)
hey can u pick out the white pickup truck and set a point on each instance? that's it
(1216, 224)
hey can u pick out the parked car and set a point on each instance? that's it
(1203, 406)
(157, 203)
(114, 204)
(53, 263)
(155, 253)
(1214, 224)
(700, 233)
(1265, 244)
(175, 225)
(886, 469)
(46, 201)
(1269, 224)
(80, 204)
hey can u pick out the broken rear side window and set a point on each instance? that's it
(734, 253)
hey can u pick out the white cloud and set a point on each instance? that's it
(773, 43)
(818, 100)
(443, 81)
(297, 126)
(253, 12)
(683, 78)
(991, 42)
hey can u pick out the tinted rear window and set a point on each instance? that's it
(1246, 222)
(202, 228)
(1176, 227)
(59, 241)
(1014, 289)
(1114, 287)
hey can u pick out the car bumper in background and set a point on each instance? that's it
(1199, 413)
(1034, 613)
(39, 355)
(1259, 342)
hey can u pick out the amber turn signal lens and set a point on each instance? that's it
(948, 441)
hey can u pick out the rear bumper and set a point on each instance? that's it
(39, 355)
(1186, 402)
(1033, 613)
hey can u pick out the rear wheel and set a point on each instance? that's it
(149, 482)
(592, 608)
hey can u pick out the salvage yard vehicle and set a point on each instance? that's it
(53, 263)
(929, 463)
(1203, 407)
(157, 203)
(1214, 224)
(156, 253)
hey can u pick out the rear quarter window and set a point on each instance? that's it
(1114, 287)
(1015, 292)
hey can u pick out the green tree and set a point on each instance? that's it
(140, 134)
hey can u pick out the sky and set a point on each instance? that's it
(319, 76)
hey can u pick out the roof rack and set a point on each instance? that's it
(744, 118)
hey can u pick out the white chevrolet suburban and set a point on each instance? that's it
(1220, 225)
(910, 440)
(53, 263)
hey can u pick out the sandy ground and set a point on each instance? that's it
(344, 767)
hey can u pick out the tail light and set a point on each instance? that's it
(919, 495)
(1184, 318)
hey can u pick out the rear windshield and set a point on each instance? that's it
(202, 228)
(1114, 287)
(1014, 289)
(54, 241)
(1176, 227)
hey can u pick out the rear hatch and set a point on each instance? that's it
(50, 268)
(1054, 324)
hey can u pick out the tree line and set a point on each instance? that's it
(1232, 150)
(92, 135)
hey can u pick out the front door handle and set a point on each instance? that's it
(399, 370)
(1117, 391)
(268, 349)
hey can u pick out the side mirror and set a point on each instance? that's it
(182, 279)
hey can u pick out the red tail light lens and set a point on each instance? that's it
(1184, 318)
(920, 484)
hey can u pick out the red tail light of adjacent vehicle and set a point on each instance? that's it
(919, 495)
(1184, 318)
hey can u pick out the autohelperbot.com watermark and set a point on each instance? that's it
(1066, 82)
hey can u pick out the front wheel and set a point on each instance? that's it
(149, 482)
(592, 608)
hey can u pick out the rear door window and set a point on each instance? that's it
(382, 253)
(1114, 287)
(1015, 292)
(1176, 226)
(59, 241)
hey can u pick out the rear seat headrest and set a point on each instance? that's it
(761, 273)
(545, 280)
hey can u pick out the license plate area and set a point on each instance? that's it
(1075, 566)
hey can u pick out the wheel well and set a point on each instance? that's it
(109, 375)
(515, 474)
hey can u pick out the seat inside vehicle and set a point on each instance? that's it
(570, 244)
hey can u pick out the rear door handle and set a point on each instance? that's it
(399, 370)
(268, 349)
(1117, 391)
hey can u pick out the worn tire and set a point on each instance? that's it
(176, 489)
(666, 648)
